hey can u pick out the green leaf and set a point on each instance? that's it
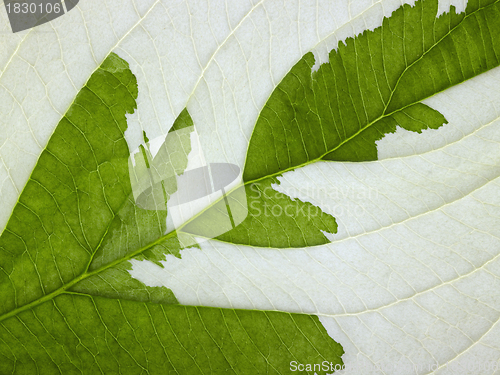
(92, 335)
(64, 250)
(79, 185)
(274, 220)
(372, 84)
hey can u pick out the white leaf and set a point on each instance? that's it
(413, 275)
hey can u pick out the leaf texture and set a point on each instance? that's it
(411, 277)
(372, 84)
(76, 209)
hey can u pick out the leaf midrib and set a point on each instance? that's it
(63, 289)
